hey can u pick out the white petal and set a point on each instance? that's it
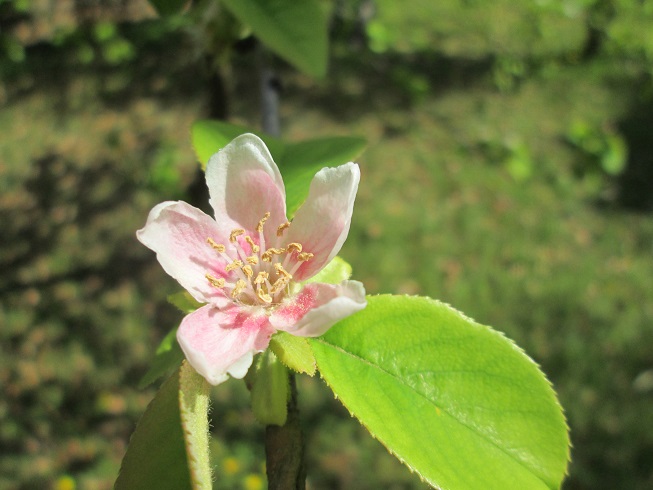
(322, 223)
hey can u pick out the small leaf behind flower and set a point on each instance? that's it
(184, 302)
(168, 357)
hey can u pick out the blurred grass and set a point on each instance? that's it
(471, 193)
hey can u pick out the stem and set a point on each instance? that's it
(284, 445)
(270, 87)
(284, 449)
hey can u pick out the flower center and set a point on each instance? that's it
(255, 275)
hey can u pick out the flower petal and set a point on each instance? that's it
(317, 307)
(221, 342)
(244, 184)
(322, 223)
(177, 232)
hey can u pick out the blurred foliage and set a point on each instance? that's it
(484, 121)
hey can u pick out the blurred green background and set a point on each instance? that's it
(509, 173)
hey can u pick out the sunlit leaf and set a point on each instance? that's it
(294, 352)
(456, 401)
(194, 409)
(296, 31)
(335, 272)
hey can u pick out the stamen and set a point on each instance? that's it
(267, 255)
(259, 227)
(294, 247)
(261, 277)
(263, 296)
(282, 227)
(236, 264)
(215, 282)
(247, 269)
(253, 260)
(279, 284)
(304, 256)
(281, 271)
(219, 247)
(238, 288)
(235, 233)
(254, 246)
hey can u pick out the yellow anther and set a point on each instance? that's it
(279, 284)
(253, 260)
(238, 288)
(294, 247)
(282, 227)
(215, 282)
(255, 247)
(235, 233)
(261, 277)
(281, 271)
(247, 269)
(267, 255)
(219, 247)
(259, 227)
(263, 296)
(236, 264)
(304, 256)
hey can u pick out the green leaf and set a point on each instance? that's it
(270, 391)
(335, 272)
(168, 357)
(194, 409)
(296, 31)
(301, 161)
(456, 401)
(294, 352)
(156, 456)
(168, 7)
(209, 136)
(184, 302)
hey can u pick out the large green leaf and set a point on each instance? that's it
(169, 448)
(156, 456)
(298, 162)
(454, 400)
(295, 30)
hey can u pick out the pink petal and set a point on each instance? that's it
(322, 223)
(319, 306)
(177, 232)
(244, 184)
(221, 342)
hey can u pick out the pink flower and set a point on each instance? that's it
(250, 264)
